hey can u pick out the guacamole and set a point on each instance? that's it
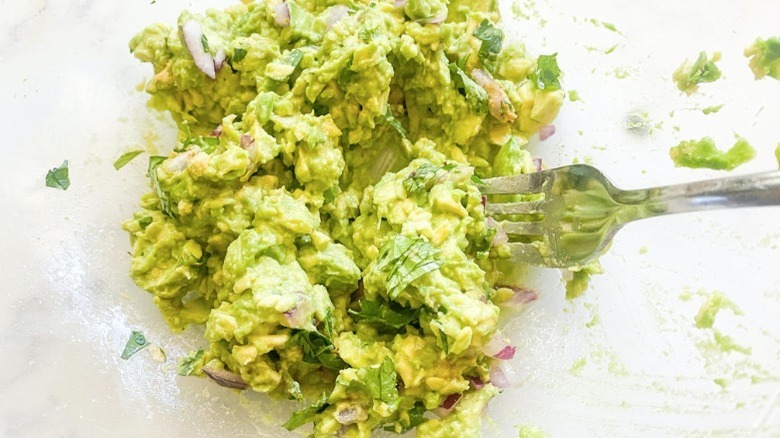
(764, 57)
(697, 154)
(320, 214)
(690, 74)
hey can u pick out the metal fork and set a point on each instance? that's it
(567, 216)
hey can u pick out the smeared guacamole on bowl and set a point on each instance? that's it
(764, 57)
(320, 214)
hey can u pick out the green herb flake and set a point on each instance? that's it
(126, 158)
(406, 259)
(547, 73)
(711, 109)
(204, 42)
(609, 26)
(421, 178)
(317, 349)
(136, 343)
(238, 54)
(306, 415)
(476, 96)
(188, 363)
(382, 381)
(477, 180)
(165, 203)
(385, 313)
(58, 177)
(330, 194)
(145, 222)
(395, 123)
(416, 418)
(492, 39)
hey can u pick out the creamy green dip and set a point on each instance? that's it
(320, 214)
(690, 74)
(764, 57)
(697, 154)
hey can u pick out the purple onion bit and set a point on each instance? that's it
(538, 164)
(225, 378)
(451, 401)
(507, 353)
(546, 132)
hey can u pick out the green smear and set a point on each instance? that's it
(699, 154)
(710, 308)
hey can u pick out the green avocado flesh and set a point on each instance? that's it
(320, 215)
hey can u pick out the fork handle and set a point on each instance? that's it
(755, 190)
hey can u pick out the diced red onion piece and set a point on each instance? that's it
(546, 132)
(502, 375)
(538, 163)
(337, 13)
(217, 132)
(400, 3)
(246, 141)
(436, 19)
(506, 354)
(225, 378)
(282, 14)
(500, 237)
(296, 317)
(451, 401)
(522, 295)
(347, 416)
(219, 60)
(476, 382)
(484, 201)
(192, 38)
(495, 345)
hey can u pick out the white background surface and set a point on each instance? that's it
(67, 91)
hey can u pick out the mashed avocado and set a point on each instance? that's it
(320, 214)
(764, 57)
(703, 153)
(689, 75)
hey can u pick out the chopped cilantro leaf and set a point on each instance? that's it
(145, 222)
(188, 364)
(204, 42)
(421, 178)
(58, 177)
(476, 96)
(395, 123)
(136, 343)
(547, 73)
(704, 70)
(165, 203)
(126, 158)
(416, 418)
(306, 415)
(317, 349)
(406, 259)
(385, 313)
(238, 54)
(382, 381)
(492, 39)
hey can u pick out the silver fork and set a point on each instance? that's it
(567, 216)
